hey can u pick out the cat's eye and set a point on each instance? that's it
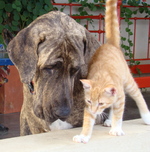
(89, 101)
(100, 104)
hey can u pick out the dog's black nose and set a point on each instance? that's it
(62, 113)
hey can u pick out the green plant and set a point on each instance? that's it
(16, 14)
(85, 7)
(127, 13)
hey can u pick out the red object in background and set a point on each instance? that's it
(4, 72)
(11, 93)
(142, 81)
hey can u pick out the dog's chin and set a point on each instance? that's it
(53, 119)
(50, 118)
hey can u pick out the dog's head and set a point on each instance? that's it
(52, 52)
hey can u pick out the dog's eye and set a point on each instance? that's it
(50, 70)
(74, 70)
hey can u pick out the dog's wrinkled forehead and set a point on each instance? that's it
(59, 52)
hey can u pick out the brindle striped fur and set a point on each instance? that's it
(53, 53)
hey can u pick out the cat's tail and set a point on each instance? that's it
(111, 23)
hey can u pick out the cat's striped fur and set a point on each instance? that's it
(108, 79)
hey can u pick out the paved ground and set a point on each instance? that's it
(136, 139)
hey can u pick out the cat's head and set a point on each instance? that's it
(98, 97)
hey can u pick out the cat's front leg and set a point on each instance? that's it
(88, 123)
(116, 129)
(117, 114)
(107, 122)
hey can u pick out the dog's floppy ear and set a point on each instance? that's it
(7, 36)
(91, 44)
(22, 50)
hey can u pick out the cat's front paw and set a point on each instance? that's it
(116, 132)
(81, 139)
(107, 123)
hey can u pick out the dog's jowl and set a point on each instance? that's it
(51, 55)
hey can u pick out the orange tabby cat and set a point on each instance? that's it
(108, 79)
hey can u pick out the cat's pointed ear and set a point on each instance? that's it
(86, 84)
(110, 90)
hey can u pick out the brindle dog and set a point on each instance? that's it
(51, 55)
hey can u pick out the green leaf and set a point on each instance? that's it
(15, 23)
(141, 10)
(14, 6)
(80, 9)
(126, 20)
(34, 17)
(18, 9)
(7, 27)
(135, 12)
(42, 11)
(1, 19)
(26, 13)
(130, 23)
(137, 62)
(8, 8)
(2, 4)
(47, 9)
(70, 1)
(1, 28)
(83, 13)
(127, 29)
(24, 2)
(130, 33)
(123, 38)
(38, 6)
(138, 71)
(131, 56)
(84, 3)
(123, 46)
(126, 54)
(29, 7)
(89, 19)
(29, 21)
(126, 47)
(1, 12)
(16, 17)
(35, 12)
(14, 28)
(78, 20)
(47, 2)
(5, 16)
(94, 8)
(17, 3)
(23, 18)
(1, 40)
